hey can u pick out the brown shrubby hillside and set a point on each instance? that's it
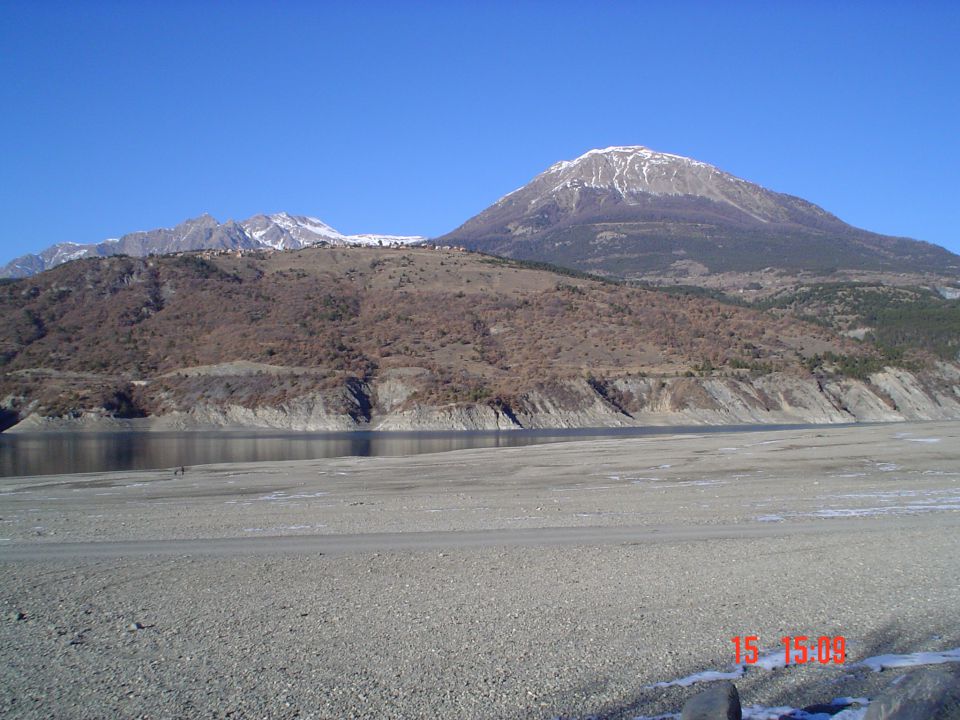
(136, 336)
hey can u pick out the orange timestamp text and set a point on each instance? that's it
(798, 649)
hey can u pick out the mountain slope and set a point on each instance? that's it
(279, 231)
(633, 212)
(339, 338)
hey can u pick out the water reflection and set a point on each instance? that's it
(60, 453)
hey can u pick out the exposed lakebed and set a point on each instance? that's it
(595, 579)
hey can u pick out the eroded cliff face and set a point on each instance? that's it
(390, 403)
(889, 396)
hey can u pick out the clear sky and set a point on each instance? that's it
(410, 117)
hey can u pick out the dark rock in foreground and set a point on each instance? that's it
(721, 702)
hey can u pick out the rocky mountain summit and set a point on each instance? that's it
(630, 173)
(280, 231)
(633, 212)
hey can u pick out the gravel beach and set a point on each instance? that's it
(538, 582)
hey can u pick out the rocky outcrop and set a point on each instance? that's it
(391, 403)
(720, 702)
(304, 415)
(568, 405)
(924, 694)
(449, 417)
(916, 399)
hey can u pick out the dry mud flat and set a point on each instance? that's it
(536, 582)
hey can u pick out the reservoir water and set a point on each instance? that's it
(58, 453)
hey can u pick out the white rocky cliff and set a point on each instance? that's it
(892, 395)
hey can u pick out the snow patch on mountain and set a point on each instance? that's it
(68, 251)
(620, 153)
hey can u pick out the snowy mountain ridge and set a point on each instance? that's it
(278, 231)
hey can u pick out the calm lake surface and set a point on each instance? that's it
(62, 453)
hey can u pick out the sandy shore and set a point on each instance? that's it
(534, 582)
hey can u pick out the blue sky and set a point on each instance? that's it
(410, 117)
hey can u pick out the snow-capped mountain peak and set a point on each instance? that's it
(283, 231)
(631, 174)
